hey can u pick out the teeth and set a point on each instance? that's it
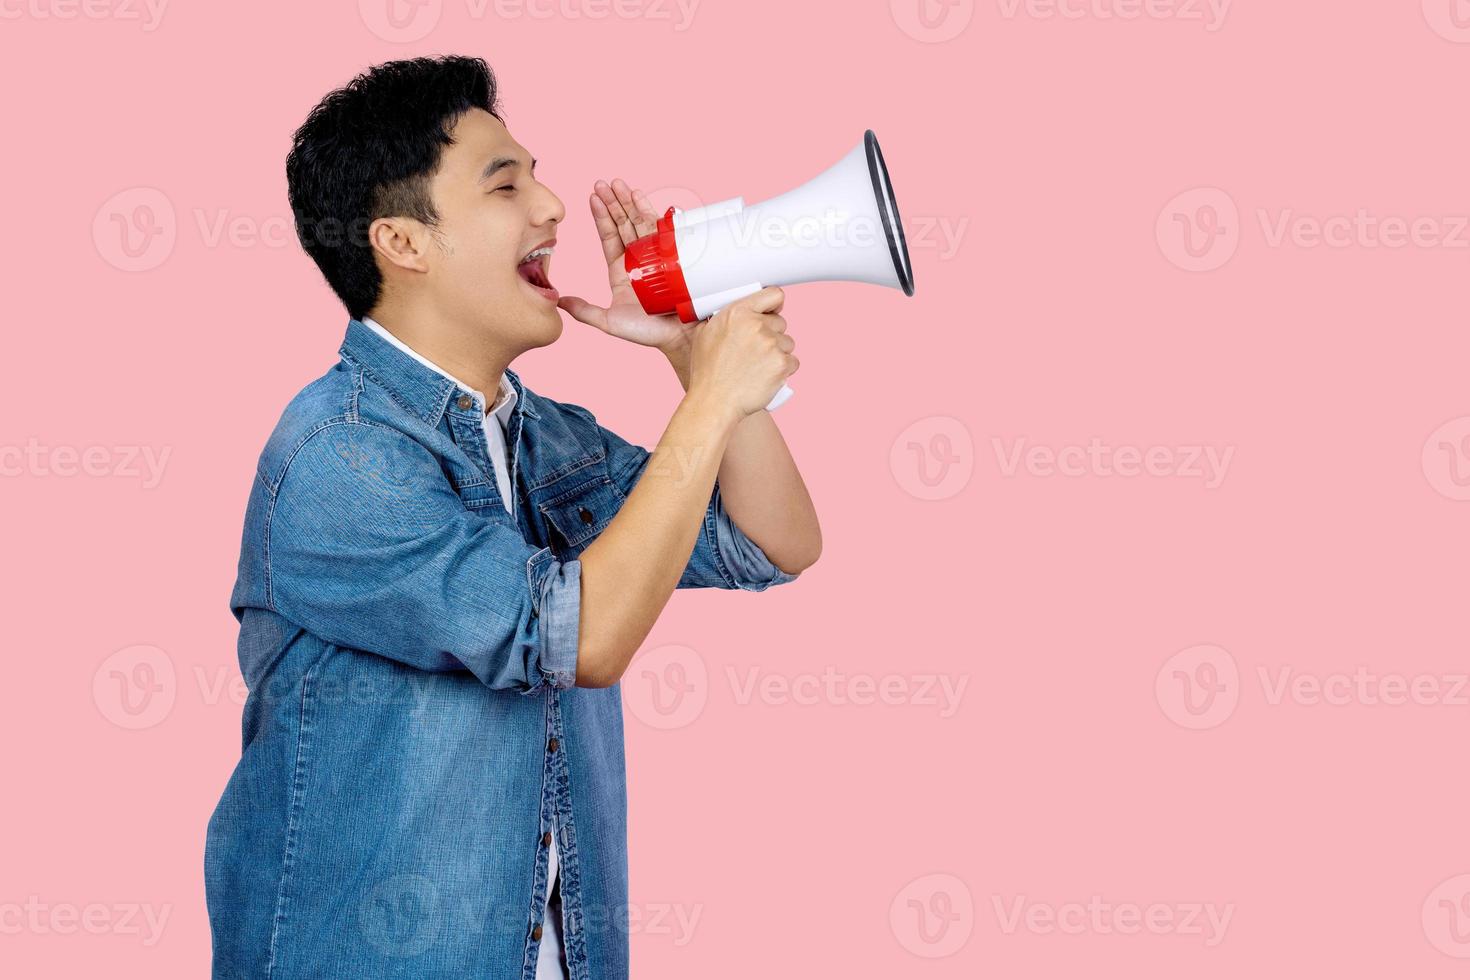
(537, 253)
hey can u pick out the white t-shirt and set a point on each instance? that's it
(549, 955)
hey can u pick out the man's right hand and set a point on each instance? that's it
(740, 357)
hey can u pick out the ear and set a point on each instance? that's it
(402, 242)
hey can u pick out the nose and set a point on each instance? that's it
(549, 207)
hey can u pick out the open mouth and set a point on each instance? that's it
(533, 269)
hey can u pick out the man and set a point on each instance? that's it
(444, 574)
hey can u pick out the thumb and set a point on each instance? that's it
(768, 300)
(588, 313)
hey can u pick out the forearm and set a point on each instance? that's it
(633, 567)
(762, 488)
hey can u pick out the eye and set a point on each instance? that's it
(507, 187)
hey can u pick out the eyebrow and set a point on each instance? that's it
(499, 164)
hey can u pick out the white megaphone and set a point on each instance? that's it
(842, 224)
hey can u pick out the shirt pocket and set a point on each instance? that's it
(476, 489)
(577, 515)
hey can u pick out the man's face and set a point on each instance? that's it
(492, 214)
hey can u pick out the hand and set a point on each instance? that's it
(742, 354)
(623, 216)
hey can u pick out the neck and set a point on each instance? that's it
(469, 355)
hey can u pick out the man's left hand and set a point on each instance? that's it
(623, 215)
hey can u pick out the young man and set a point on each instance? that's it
(444, 574)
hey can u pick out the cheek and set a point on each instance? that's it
(485, 241)
(501, 228)
(477, 265)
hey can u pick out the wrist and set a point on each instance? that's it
(678, 355)
(676, 350)
(716, 412)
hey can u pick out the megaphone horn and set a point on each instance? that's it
(843, 224)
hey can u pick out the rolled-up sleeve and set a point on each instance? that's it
(370, 548)
(561, 617)
(739, 560)
(724, 557)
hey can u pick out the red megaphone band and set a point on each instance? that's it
(652, 263)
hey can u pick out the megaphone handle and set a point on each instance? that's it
(718, 302)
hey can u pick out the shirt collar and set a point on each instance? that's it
(421, 385)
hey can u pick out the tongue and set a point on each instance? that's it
(533, 273)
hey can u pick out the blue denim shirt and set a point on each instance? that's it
(412, 730)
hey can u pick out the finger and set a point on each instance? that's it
(607, 230)
(626, 231)
(776, 322)
(795, 364)
(626, 198)
(768, 300)
(646, 210)
(588, 313)
(785, 343)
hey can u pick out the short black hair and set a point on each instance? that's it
(367, 151)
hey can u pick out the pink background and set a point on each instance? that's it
(1163, 227)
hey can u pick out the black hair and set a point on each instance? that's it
(367, 151)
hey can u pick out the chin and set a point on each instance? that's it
(554, 325)
(544, 327)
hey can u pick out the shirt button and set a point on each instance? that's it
(536, 933)
(552, 744)
(465, 402)
(546, 839)
(586, 516)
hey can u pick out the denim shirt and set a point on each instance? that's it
(412, 735)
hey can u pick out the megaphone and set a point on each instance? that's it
(841, 225)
